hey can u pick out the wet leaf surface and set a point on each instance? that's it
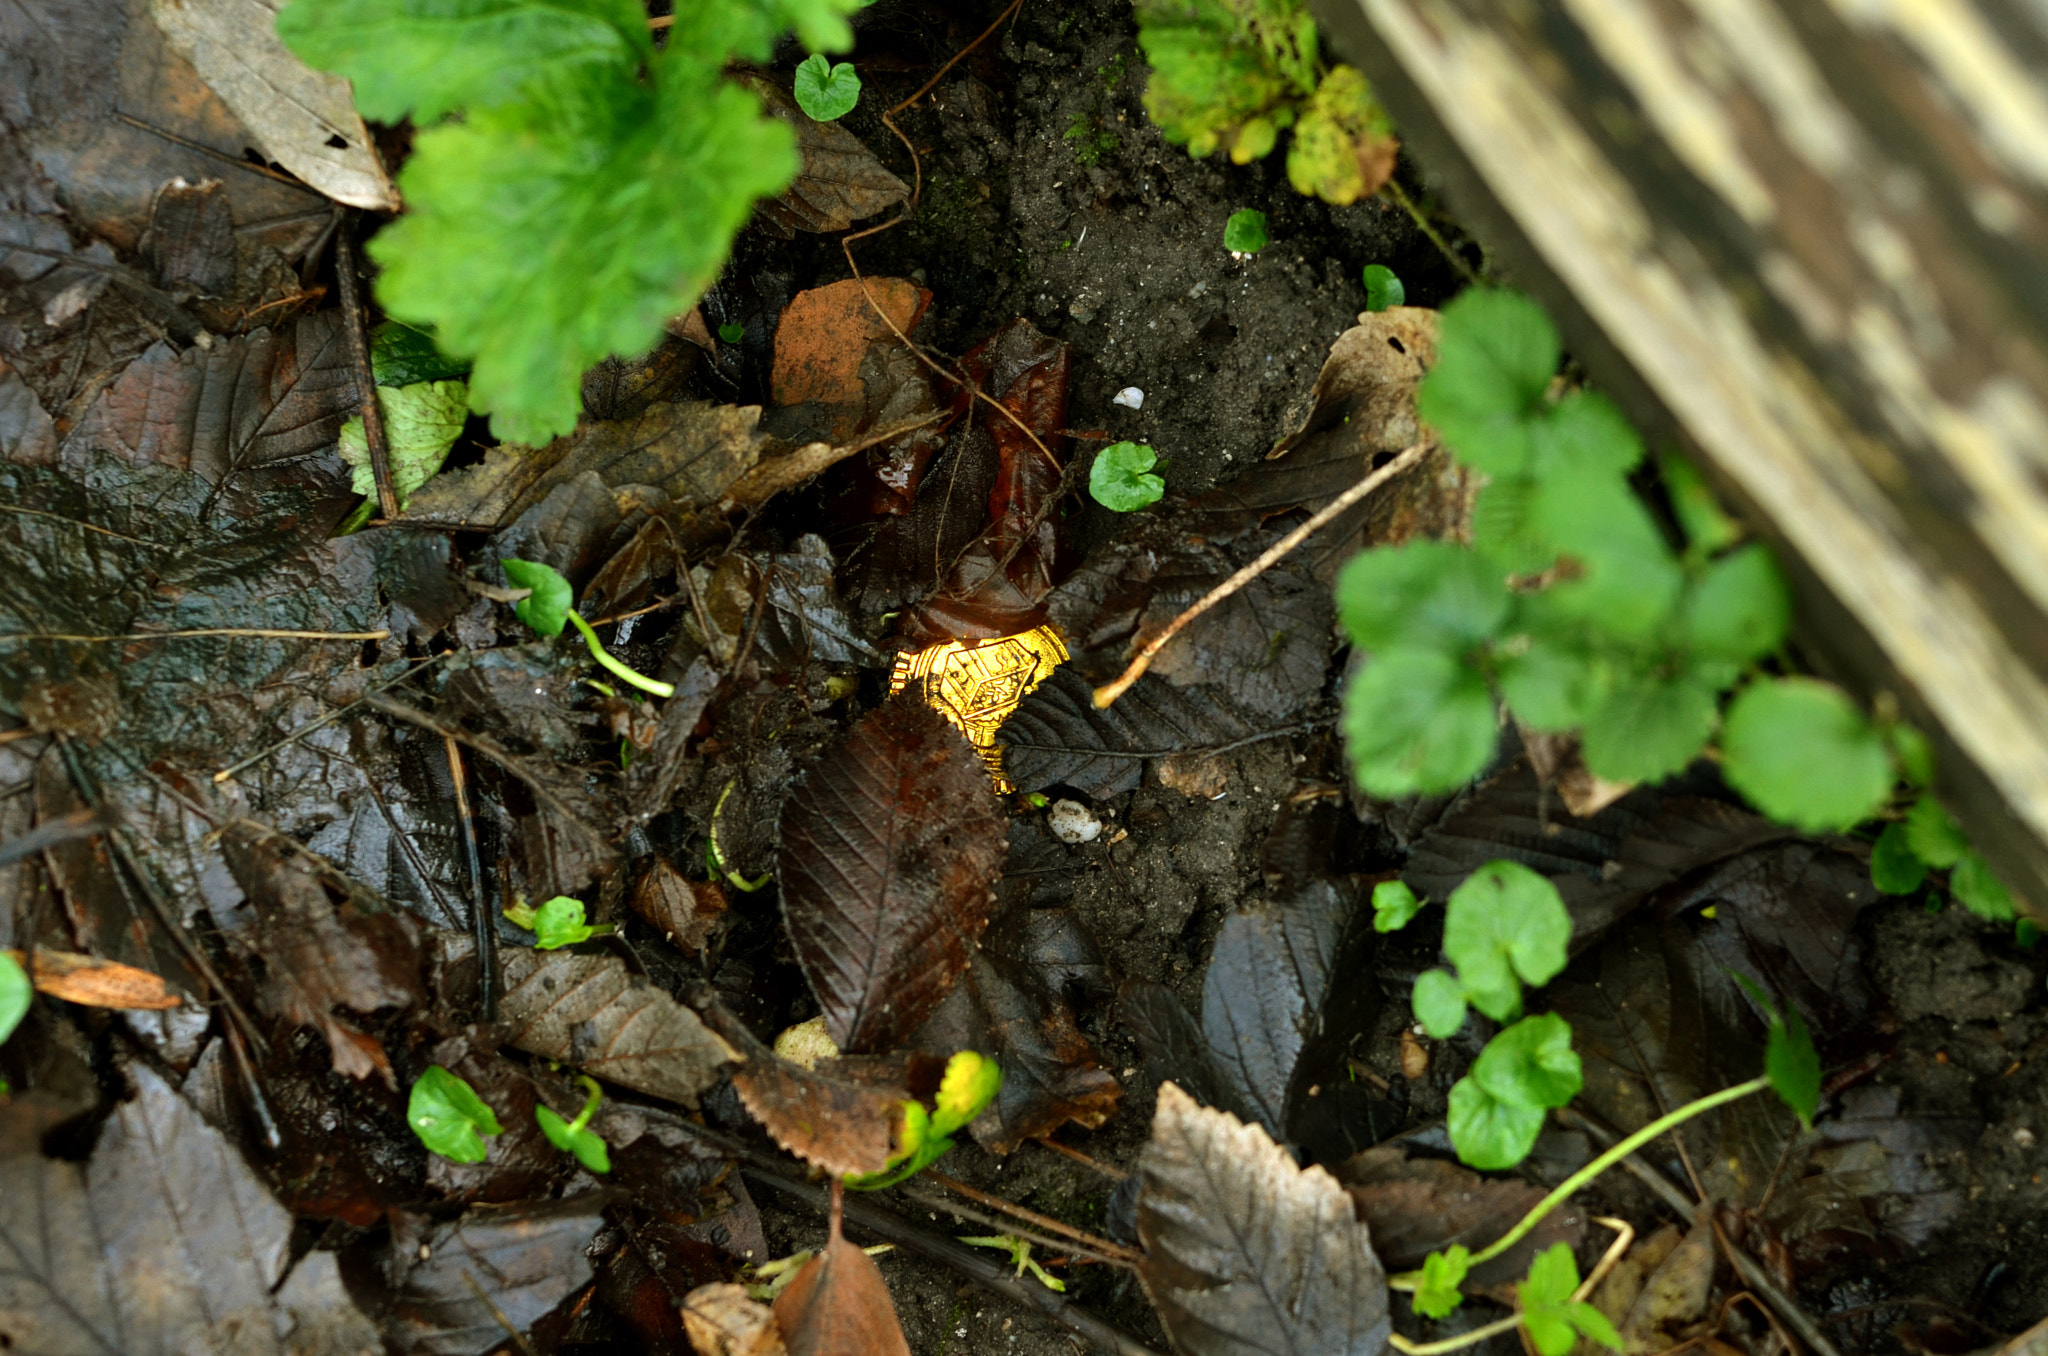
(1058, 736)
(838, 1303)
(591, 1012)
(890, 851)
(1244, 1251)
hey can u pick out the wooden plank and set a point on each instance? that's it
(1809, 239)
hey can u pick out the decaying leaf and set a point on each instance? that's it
(163, 1241)
(94, 982)
(890, 852)
(1416, 1206)
(839, 1305)
(840, 182)
(306, 120)
(722, 1321)
(835, 1113)
(1246, 1252)
(1059, 736)
(825, 332)
(589, 1011)
(684, 911)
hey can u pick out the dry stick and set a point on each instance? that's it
(889, 118)
(1054, 1246)
(354, 322)
(1114, 1251)
(1113, 1174)
(1409, 456)
(259, 632)
(479, 913)
(991, 1275)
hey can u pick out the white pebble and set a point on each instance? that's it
(1072, 822)
(1130, 398)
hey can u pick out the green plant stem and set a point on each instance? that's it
(1578, 1180)
(589, 1105)
(1457, 261)
(1462, 1340)
(626, 675)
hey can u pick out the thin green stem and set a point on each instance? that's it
(1462, 1340)
(589, 1105)
(1622, 1149)
(1457, 261)
(626, 675)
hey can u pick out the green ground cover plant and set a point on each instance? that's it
(448, 1116)
(556, 924)
(576, 1137)
(824, 91)
(970, 1083)
(548, 608)
(1121, 477)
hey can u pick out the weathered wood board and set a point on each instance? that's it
(1808, 240)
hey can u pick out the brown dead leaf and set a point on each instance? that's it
(722, 1321)
(841, 180)
(840, 1125)
(838, 1305)
(590, 1012)
(1416, 1206)
(96, 983)
(683, 910)
(1674, 1297)
(822, 336)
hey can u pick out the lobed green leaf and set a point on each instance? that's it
(1496, 352)
(1894, 867)
(1979, 890)
(1649, 728)
(1425, 594)
(824, 91)
(1622, 576)
(1416, 720)
(1497, 1109)
(1505, 924)
(1437, 1293)
(1935, 838)
(1245, 232)
(1739, 610)
(1394, 906)
(1803, 754)
(1120, 477)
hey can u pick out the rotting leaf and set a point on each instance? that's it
(591, 1012)
(838, 1304)
(844, 1124)
(722, 1320)
(841, 180)
(1058, 736)
(890, 852)
(1417, 1206)
(164, 1240)
(825, 332)
(95, 983)
(1244, 1251)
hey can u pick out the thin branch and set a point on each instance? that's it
(356, 325)
(1111, 1252)
(480, 920)
(260, 632)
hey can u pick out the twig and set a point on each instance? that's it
(357, 327)
(1112, 1252)
(259, 632)
(1052, 1245)
(64, 829)
(1199, 751)
(480, 920)
(1271, 556)
(1422, 222)
(889, 118)
(992, 1275)
(1112, 1173)
(58, 517)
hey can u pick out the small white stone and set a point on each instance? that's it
(1131, 398)
(1072, 822)
(2023, 1137)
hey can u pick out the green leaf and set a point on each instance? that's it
(1505, 923)
(1497, 1109)
(15, 992)
(559, 923)
(1649, 728)
(1496, 352)
(970, 1083)
(1383, 288)
(1120, 477)
(421, 422)
(1546, 1297)
(1221, 70)
(591, 1151)
(1616, 571)
(1914, 752)
(1488, 1132)
(1425, 594)
(1553, 685)
(1341, 131)
(1503, 527)
(1894, 867)
(1793, 1065)
(732, 333)
(403, 356)
(448, 1116)
(1394, 906)
(826, 92)
(1593, 1324)
(1436, 1293)
(428, 58)
(1708, 530)
(1245, 232)
(1583, 434)
(544, 235)
(1416, 720)
(1935, 838)
(546, 610)
(1439, 1002)
(1803, 754)
(1739, 610)
(1980, 891)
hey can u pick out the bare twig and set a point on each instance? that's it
(1111, 1252)
(310, 726)
(480, 920)
(1114, 1174)
(356, 325)
(1109, 692)
(259, 632)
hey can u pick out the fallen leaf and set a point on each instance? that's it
(825, 332)
(1674, 1296)
(684, 911)
(838, 1305)
(840, 182)
(1058, 736)
(790, 601)
(722, 1321)
(94, 982)
(890, 852)
(306, 120)
(27, 433)
(164, 1240)
(191, 239)
(1172, 1042)
(1417, 1206)
(589, 1011)
(1244, 1251)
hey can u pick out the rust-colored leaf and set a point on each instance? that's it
(682, 910)
(96, 983)
(890, 853)
(840, 1125)
(838, 1305)
(822, 337)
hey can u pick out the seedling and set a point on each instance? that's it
(1020, 1255)
(1504, 927)
(1927, 839)
(575, 1136)
(824, 91)
(448, 1116)
(732, 333)
(556, 924)
(1245, 232)
(15, 992)
(1394, 906)
(1121, 477)
(970, 1083)
(714, 859)
(1383, 288)
(547, 608)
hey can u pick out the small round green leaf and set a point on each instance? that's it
(1506, 924)
(1894, 867)
(824, 91)
(1978, 890)
(1416, 720)
(1245, 232)
(1425, 595)
(1490, 1134)
(559, 923)
(1649, 728)
(732, 333)
(1394, 906)
(1803, 754)
(15, 992)
(1740, 609)
(1383, 288)
(448, 1116)
(1439, 1002)
(1531, 1062)
(1120, 477)
(1935, 838)
(547, 609)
